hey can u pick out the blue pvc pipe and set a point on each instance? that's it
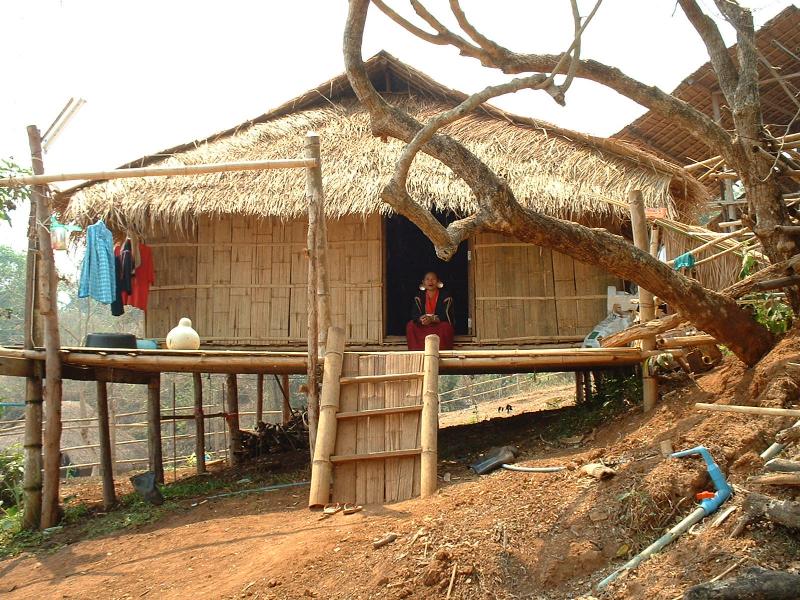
(707, 506)
(12, 404)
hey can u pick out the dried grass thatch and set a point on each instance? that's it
(554, 171)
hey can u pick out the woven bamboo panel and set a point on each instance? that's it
(524, 291)
(246, 280)
(378, 481)
(174, 267)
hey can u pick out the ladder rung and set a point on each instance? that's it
(380, 378)
(389, 410)
(376, 455)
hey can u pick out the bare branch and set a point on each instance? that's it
(433, 38)
(491, 47)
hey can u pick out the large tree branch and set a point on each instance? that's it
(500, 211)
(715, 45)
(692, 120)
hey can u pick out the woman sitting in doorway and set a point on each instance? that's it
(431, 314)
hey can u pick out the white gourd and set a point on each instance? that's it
(183, 337)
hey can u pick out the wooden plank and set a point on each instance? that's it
(365, 365)
(410, 421)
(388, 455)
(378, 378)
(378, 412)
(344, 475)
(376, 471)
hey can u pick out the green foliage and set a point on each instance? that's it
(12, 295)
(749, 264)
(773, 313)
(11, 197)
(11, 473)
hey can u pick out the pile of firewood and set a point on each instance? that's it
(271, 438)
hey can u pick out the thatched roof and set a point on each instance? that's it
(552, 170)
(778, 41)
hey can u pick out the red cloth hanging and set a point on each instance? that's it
(143, 278)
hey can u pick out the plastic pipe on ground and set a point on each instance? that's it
(706, 507)
(269, 488)
(533, 469)
(775, 448)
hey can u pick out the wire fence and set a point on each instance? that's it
(498, 388)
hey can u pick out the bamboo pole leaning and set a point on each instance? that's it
(317, 200)
(749, 410)
(201, 169)
(48, 289)
(322, 467)
(429, 422)
(313, 195)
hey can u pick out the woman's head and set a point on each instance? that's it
(431, 281)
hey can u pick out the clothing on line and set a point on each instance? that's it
(98, 277)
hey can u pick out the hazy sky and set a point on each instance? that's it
(156, 73)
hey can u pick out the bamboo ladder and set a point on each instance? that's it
(378, 427)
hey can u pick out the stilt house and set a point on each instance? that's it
(229, 248)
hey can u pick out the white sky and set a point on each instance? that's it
(157, 73)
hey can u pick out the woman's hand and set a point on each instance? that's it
(425, 320)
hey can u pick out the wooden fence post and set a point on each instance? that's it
(232, 419)
(199, 424)
(429, 426)
(104, 436)
(155, 458)
(48, 309)
(321, 467)
(646, 303)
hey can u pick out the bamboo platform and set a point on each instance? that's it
(136, 366)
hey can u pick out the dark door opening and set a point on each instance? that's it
(409, 256)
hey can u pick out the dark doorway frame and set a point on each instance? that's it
(407, 254)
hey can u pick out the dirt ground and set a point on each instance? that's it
(503, 535)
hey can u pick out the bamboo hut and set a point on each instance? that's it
(229, 248)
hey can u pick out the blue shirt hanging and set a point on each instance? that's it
(97, 271)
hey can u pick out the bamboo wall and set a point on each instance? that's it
(525, 292)
(243, 281)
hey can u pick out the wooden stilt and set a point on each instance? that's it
(232, 419)
(104, 435)
(429, 425)
(587, 386)
(317, 201)
(322, 467)
(48, 288)
(154, 454)
(112, 429)
(286, 406)
(579, 396)
(199, 424)
(259, 398)
(646, 303)
(312, 192)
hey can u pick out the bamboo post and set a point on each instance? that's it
(32, 477)
(155, 458)
(429, 423)
(232, 419)
(112, 418)
(286, 406)
(48, 290)
(646, 302)
(322, 467)
(104, 436)
(316, 200)
(199, 424)
(259, 399)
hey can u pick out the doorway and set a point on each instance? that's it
(409, 255)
